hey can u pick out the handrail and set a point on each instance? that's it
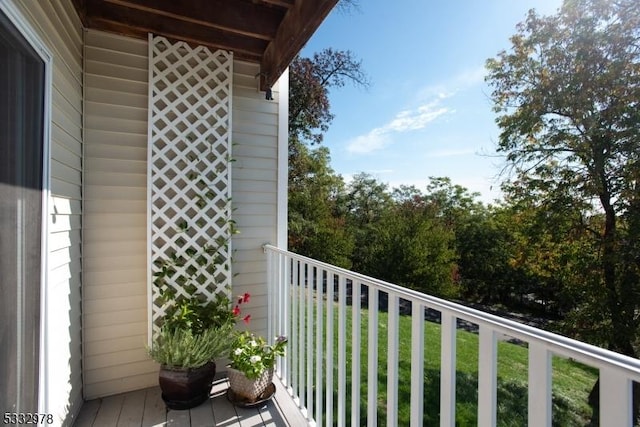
(294, 282)
(569, 347)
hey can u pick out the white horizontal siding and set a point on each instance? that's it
(115, 260)
(58, 26)
(114, 228)
(254, 187)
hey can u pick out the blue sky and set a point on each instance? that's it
(427, 112)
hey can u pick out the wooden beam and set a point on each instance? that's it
(282, 3)
(143, 33)
(133, 22)
(227, 15)
(296, 29)
(81, 9)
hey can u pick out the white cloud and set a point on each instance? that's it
(375, 140)
(404, 121)
(417, 118)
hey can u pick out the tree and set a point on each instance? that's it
(316, 224)
(365, 202)
(309, 82)
(568, 98)
(484, 249)
(418, 248)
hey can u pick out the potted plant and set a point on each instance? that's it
(191, 279)
(251, 369)
(193, 335)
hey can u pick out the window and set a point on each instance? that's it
(22, 130)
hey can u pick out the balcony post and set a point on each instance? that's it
(285, 305)
(615, 398)
(271, 295)
(417, 363)
(448, 368)
(372, 368)
(342, 350)
(487, 377)
(303, 277)
(311, 281)
(539, 385)
(331, 280)
(323, 279)
(355, 353)
(392, 361)
(295, 326)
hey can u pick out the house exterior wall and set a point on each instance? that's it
(58, 26)
(255, 136)
(115, 241)
(115, 216)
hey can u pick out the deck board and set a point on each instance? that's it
(286, 408)
(145, 408)
(224, 412)
(202, 416)
(154, 411)
(88, 413)
(109, 411)
(132, 409)
(178, 418)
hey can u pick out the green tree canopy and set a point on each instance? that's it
(567, 95)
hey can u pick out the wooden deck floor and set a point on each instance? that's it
(145, 408)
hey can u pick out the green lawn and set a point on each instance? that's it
(571, 381)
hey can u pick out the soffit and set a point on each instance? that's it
(267, 32)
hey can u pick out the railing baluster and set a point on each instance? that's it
(302, 345)
(271, 296)
(284, 266)
(448, 371)
(329, 357)
(539, 385)
(487, 376)
(392, 360)
(322, 274)
(615, 398)
(342, 350)
(372, 364)
(295, 287)
(310, 319)
(417, 363)
(355, 353)
(291, 303)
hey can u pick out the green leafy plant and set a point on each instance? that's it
(180, 275)
(251, 355)
(198, 315)
(182, 348)
(198, 331)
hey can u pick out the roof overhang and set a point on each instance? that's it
(267, 32)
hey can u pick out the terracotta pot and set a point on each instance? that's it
(249, 389)
(185, 388)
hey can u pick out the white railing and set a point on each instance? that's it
(304, 295)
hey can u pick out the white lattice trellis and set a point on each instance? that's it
(189, 172)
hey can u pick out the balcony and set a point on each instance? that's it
(328, 311)
(145, 408)
(324, 381)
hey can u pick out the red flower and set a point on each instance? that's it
(244, 298)
(236, 311)
(247, 319)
